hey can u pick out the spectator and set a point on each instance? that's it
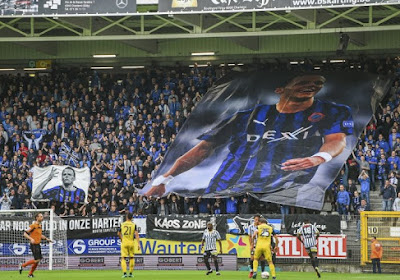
(388, 196)
(362, 207)
(376, 255)
(396, 203)
(343, 201)
(365, 185)
(231, 205)
(162, 208)
(174, 207)
(356, 201)
(244, 207)
(5, 202)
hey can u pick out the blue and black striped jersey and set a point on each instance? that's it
(261, 139)
(60, 194)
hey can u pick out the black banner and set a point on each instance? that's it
(325, 224)
(94, 227)
(271, 5)
(182, 228)
(66, 7)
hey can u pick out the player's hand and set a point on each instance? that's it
(138, 248)
(220, 252)
(54, 173)
(32, 241)
(301, 163)
(49, 240)
(158, 185)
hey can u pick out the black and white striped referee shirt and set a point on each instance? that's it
(210, 238)
(309, 233)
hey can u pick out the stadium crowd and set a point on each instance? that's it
(121, 126)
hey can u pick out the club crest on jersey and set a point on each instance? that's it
(316, 117)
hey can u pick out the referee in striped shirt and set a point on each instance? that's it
(210, 238)
(308, 235)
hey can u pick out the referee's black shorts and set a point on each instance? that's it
(36, 251)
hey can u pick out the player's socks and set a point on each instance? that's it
(131, 265)
(28, 263)
(251, 265)
(123, 265)
(207, 264)
(255, 267)
(272, 269)
(216, 265)
(33, 268)
(262, 263)
(318, 273)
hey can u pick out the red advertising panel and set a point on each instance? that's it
(329, 247)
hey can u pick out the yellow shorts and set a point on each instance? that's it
(262, 251)
(127, 250)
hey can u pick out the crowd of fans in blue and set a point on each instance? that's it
(121, 126)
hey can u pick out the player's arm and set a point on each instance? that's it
(119, 233)
(137, 237)
(47, 239)
(27, 234)
(37, 193)
(184, 163)
(220, 246)
(276, 241)
(333, 146)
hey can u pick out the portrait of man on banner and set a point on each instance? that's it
(273, 149)
(62, 184)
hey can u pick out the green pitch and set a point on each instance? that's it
(180, 275)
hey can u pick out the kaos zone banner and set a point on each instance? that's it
(280, 137)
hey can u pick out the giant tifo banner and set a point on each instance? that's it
(183, 228)
(61, 183)
(266, 5)
(325, 224)
(280, 137)
(66, 7)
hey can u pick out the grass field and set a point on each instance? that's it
(181, 275)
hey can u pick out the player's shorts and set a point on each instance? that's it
(312, 250)
(127, 250)
(36, 251)
(210, 253)
(261, 251)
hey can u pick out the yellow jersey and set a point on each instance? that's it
(264, 235)
(127, 230)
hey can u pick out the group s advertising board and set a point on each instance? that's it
(281, 137)
(265, 5)
(66, 7)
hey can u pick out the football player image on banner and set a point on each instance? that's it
(281, 138)
(61, 183)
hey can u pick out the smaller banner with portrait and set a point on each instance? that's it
(239, 224)
(182, 228)
(60, 183)
(325, 224)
